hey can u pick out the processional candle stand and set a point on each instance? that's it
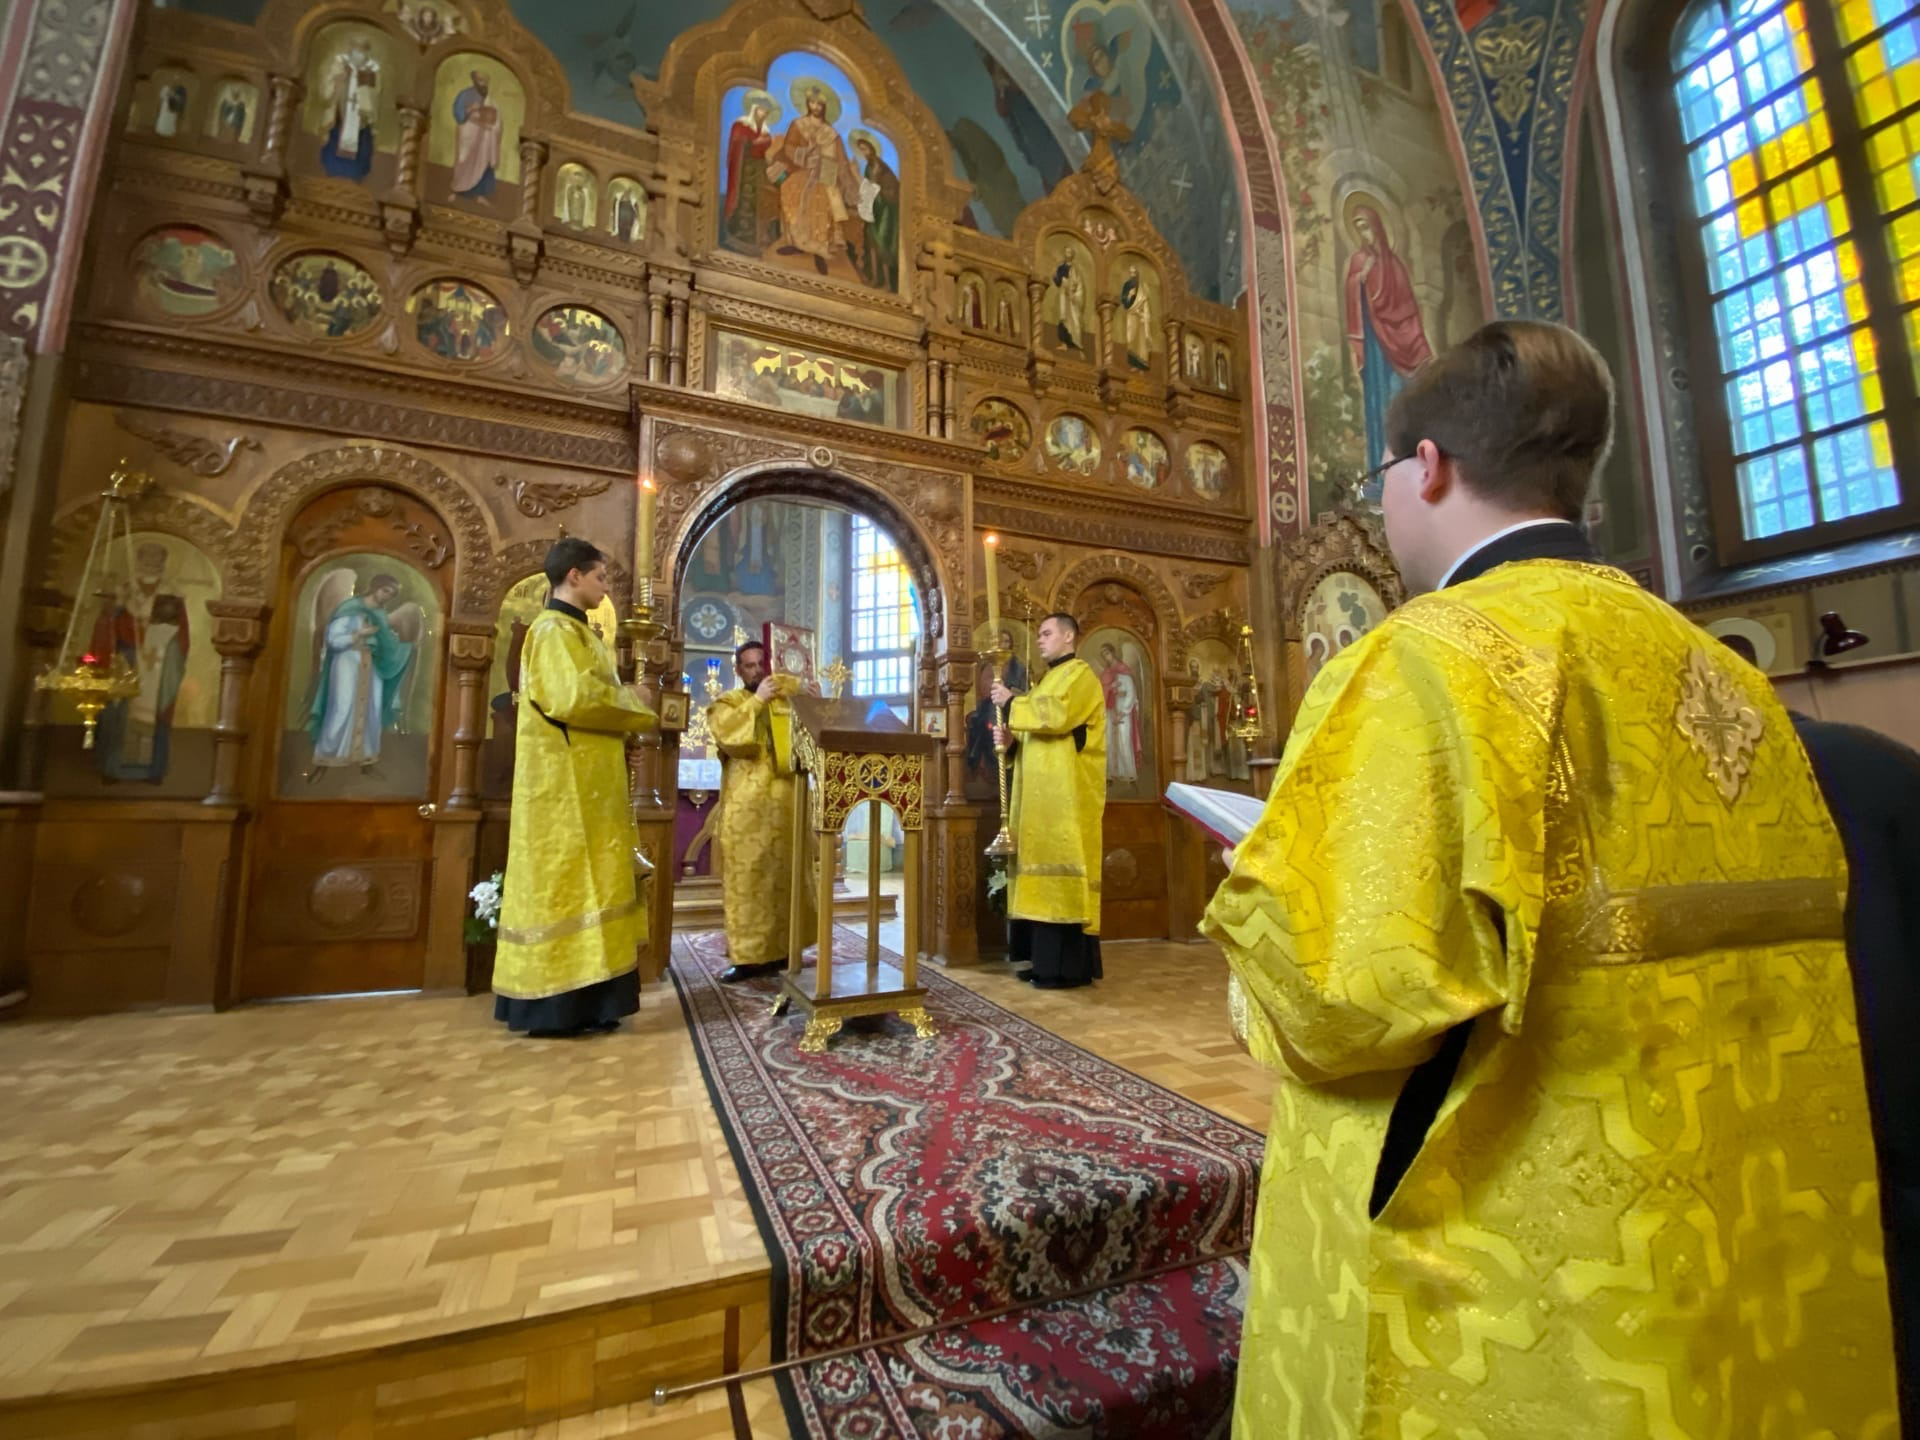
(998, 656)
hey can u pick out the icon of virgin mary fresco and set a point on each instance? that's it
(1385, 335)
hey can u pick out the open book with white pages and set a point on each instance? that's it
(1224, 815)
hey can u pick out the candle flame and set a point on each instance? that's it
(993, 539)
(646, 482)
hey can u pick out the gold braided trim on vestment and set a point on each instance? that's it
(1518, 671)
(1668, 922)
(1074, 872)
(572, 925)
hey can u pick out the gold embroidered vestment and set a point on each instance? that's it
(570, 914)
(1059, 797)
(1647, 1205)
(756, 830)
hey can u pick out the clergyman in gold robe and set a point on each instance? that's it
(1542, 928)
(1058, 734)
(572, 917)
(756, 819)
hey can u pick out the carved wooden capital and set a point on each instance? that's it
(239, 626)
(470, 645)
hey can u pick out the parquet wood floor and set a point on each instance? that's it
(389, 1214)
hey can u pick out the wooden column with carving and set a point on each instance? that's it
(265, 181)
(470, 652)
(952, 937)
(653, 775)
(949, 394)
(657, 287)
(525, 243)
(935, 380)
(1186, 867)
(400, 206)
(239, 630)
(677, 333)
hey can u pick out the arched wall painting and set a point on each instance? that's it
(1120, 659)
(518, 610)
(1342, 608)
(362, 676)
(473, 148)
(348, 120)
(806, 181)
(1212, 747)
(1067, 310)
(159, 743)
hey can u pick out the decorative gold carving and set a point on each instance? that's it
(1139, 539)
(1138, 576)
(1027, 563)
(1337, 540)
(191, 452)
(820, 1029)
(537, 498)
(1720, 723)
(921, 1021)
(250, 561)
(684, 456)
(850, 780)
(1198, 584)
(294, 390)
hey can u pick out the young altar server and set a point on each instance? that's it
(1542, 926)
(1059, 734)
(571, 916)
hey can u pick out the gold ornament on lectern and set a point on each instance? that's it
(1247, 722)
(93, 682)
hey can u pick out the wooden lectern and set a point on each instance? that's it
(845, 753)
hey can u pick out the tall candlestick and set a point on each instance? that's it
(649, 497)
(993, 590)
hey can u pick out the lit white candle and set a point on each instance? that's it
(649, 497)
(993, 591)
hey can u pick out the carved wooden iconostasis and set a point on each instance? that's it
(383, 316)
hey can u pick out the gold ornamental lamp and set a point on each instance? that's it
(1247, 725)
(91, 681)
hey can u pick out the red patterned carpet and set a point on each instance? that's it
(902, 1183)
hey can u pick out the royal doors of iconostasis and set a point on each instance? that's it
(353, 694)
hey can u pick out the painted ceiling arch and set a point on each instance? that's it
(1000, 75)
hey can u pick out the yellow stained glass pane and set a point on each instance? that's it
(1863, 357)
(1876, 100)
(1868, 63)
(1837, 216)
(1806, 192)
(1856, 303)
(1903, 238)
(1896, 185)
(1849, 263)
(1870, 397)
(1829, 173)
(1856, 19)
(1752, 219)
(1882, 450)
(1742, 175)
(1906, 83)
(1910, 277)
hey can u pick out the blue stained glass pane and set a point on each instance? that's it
(1855, 459)
(1889, 489)
(1748, 9)
(1760, 480)
(1734, 140)
(1889, 10)
(1786, 424)
(1714, 192)
(1736, 313)
(1698, 33)
(1848, 402)
(1773, 339)
(1759, 254)
(1838, 355)
(1799, 512)
(1792, 468)
(1829, 313)
(1729, 270)
(1819, 414)
(1860, 496)
(1766, 522)
(1801, 318)
(1778, 378)
(1697, 115)
(1902, 42)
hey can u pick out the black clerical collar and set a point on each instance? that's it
(1063, 659)
(554, 602)
(1529, 540)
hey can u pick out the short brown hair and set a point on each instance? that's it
(1522, 407)
(1072, 625)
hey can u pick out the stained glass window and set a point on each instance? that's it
(885, 618)
(1783, 235)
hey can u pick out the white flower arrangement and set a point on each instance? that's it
(485, 921)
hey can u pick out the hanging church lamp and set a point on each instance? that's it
(91, 680)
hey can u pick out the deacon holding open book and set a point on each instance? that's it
(1542, 926)
(1058, 738)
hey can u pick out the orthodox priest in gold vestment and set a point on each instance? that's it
(756, 820)
(571, 916)
(1058, 732)
(1542, 928)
